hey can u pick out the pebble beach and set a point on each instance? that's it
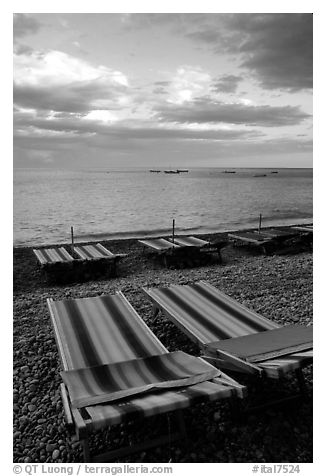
(277, 286)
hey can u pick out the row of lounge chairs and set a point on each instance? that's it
(90, 260)
(114, 368)
(95, 259)
(274, 238)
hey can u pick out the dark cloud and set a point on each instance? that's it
(97, 150)
(207, 111)
(276, 48)
(70, 124)
(160, 87)
(20, 49)
(176, 21)
(159, 90)
(227, 83)
(74, 97)
(25, 25)
(284, 57)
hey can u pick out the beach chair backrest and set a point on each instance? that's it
(206, 314)
(52, 255)
(93, 251)
(100, 330)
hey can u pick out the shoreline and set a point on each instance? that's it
(208, 234)
(277, 286)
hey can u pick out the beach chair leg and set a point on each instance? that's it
(154, 313)
(86, 452)
(302, 383)
(181, 423)
(238, 410)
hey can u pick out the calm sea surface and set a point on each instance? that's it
(103, 205)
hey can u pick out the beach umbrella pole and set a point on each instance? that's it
(259, 226)
(72, 237)
(173, 224)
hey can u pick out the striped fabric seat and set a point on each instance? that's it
(250, 237)
(107, 330)
(207, 315)
(159, 244)
(52, 255)
(190, 241)
(111, 382)
(91, 252)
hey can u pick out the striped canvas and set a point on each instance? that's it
(266, 345)
(190, 241)
(52, 255)
(105, 330)
(161, 402)
(250, 237)
(158, 244)
(90, 252)
(111, 382)
(207, 315)
(101, 330)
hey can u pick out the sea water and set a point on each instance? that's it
(105, 204)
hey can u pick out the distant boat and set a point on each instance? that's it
(274, 172)
(228, 172)
(182, 170)
(171, 171)
(260, 175)
(155, 171)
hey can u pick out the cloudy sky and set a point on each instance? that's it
(162, 90)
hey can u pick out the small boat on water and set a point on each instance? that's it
(274, 172)
(260, 175)
(228, 172)
(182, 171)
(155, 171)
(171, 171)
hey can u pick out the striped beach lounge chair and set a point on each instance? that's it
(97, 259)
(50, 256)
(179, 251)
(57, 263)
(233, 336)
(165, 249)
(205, 246)
(158, 245)
(251, 238)
(114, 369)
